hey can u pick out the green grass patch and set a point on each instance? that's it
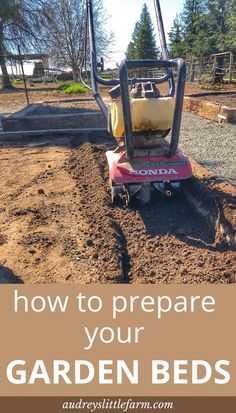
(76, 88)
(71, 88)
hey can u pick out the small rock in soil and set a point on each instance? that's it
(90, 243)
(3, 239)
(41, 191)
(184, 272)
(20, 212)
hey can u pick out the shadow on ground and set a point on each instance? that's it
(8, 277)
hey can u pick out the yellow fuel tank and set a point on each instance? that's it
(154, 114)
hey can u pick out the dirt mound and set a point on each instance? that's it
(103, 241)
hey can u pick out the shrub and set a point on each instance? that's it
(76, 88)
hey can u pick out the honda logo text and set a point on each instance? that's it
(150, 172)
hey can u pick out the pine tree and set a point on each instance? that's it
(175, 39)
(230, 38)
(221, 24)
(143, 42)
(193, 21)
(203, 28)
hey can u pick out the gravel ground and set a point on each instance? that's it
(211, 144)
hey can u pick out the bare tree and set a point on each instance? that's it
(19, 26)
(64, 31)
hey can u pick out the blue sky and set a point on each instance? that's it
(125, 13)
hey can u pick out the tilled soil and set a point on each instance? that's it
(167, 242)
(57, 224)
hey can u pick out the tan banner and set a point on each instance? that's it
(118, 341)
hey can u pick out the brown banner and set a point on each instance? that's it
(140, 340)
(86, 405)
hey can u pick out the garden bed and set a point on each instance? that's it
(208, 106)
(59, 115)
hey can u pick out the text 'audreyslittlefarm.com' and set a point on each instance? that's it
(118, 404)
